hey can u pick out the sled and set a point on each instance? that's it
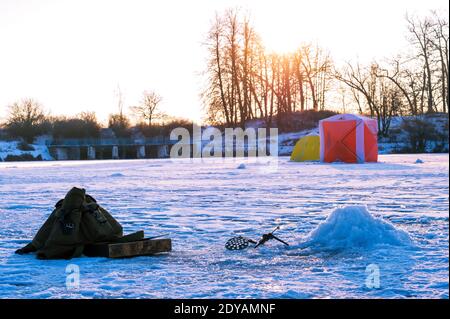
(142, 247)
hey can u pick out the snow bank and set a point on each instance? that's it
(241, 166)
(354, 227)
(12, 148)
(116, 175)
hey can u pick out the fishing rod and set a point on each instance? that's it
(240, 242)
(158, 236)
(269, 236)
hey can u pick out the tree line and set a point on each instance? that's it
(245, 82)
(28, 119)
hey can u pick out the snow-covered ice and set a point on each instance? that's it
(338, 218)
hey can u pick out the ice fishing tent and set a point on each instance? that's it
(306, 149)
(348, 138)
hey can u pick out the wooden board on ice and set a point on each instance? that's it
(142, 247)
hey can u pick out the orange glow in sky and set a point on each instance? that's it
(72, 54)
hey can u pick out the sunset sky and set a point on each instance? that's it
(71, 55)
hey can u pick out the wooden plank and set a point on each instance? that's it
(139, 235)
(142, 247)
(102, 249)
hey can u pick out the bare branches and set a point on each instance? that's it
(245, 82)
(26, 119)
(408, 84)
(27, 111)
(382, 98)
(421, 32)
(148, 110)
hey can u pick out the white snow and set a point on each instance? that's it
(203, 203)
(353, 227)
(11, 148)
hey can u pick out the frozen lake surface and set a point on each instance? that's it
(201, 204)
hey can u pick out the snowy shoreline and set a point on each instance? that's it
(398, 143)
(286, 145)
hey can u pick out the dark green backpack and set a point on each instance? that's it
(77, 220)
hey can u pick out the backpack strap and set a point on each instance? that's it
(59, 203)
(89, 198)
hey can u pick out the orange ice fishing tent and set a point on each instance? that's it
(348, 138)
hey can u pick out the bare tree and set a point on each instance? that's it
(88, 116)
(26, 119)
(148, 110)
(119, 95)
(440, 43)
(232, 48)
(397, 77)
(300, 76)
(421, 31)
(215, 96)
(316, 66)
(382, 99)
(359, 80)
(233, 82)
(119, 122)
(244, 82)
